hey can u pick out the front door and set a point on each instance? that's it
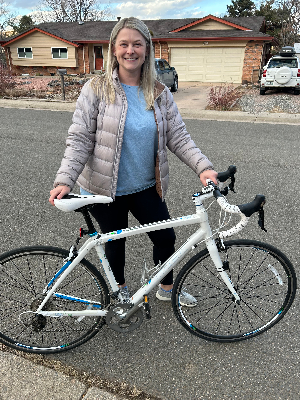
(98, 57)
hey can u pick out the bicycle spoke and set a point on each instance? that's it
(27, 272)
(265, 282)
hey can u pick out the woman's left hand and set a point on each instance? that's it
(208, 174)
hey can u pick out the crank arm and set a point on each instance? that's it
(129, 313)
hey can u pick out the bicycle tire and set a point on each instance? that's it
(24, 273)
(263, 277)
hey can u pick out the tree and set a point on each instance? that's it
(289, 14)
(24, 24)
(5, 17)
(241, 8)
(72, 11)
(282, 20)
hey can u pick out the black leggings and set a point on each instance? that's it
(146, 206)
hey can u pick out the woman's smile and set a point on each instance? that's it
(130, 50)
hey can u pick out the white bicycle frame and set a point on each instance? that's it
(204, 233)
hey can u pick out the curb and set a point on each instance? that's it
(240, 116)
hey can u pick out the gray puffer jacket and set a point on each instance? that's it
(94, 142)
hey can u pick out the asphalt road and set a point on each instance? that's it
(160, 357)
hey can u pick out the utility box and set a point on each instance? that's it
(62, 71)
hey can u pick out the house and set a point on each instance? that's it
(208, 49)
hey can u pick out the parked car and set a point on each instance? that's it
(166, 74)
(281, 71)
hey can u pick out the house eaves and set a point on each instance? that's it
(211, 17)
(214, 35)
(36, 29)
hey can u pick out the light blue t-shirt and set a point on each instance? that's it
(139, 147)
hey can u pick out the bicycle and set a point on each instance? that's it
(53, 300)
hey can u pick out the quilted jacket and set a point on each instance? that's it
(95, 138)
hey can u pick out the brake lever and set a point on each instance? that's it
(225, 191)
(232, 182)
(261, 219)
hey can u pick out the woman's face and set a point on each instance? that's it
(130, 50)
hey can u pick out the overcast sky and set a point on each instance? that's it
(149, 9)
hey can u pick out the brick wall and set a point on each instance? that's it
(252, 61)
(161, 50)
(83, 65)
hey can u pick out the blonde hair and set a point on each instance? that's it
(103, 85)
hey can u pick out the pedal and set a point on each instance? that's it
(147, 308)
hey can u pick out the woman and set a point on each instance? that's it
(117, 146)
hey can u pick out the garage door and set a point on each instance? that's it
(209, 64)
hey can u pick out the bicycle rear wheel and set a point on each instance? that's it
(24, 273)
(263, 277)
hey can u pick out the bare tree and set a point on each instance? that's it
(282, 20)
(72, 11)
(6, 16)
(289, 14)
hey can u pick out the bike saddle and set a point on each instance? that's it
(72, 202)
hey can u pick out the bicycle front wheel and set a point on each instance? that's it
(24, 274)
(263, 277)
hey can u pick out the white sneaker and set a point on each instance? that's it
(185, 298)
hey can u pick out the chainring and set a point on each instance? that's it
(114, 321)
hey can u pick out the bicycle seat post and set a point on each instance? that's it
(88, 220)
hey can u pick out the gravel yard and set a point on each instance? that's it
(273, 101)
(45, 87)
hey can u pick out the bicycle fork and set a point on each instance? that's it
(215, 256)
(213, 249)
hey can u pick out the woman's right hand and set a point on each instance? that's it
(58, 193)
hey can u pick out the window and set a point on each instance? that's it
(278, 63)
(167, 66)
(161, 65)
(59, 52)
(24, 52)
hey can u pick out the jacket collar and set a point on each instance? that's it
(158, 87)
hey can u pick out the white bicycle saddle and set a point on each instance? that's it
(72, 201)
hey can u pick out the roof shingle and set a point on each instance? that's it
(161, 29)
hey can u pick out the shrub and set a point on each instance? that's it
(223, 97)
(6, 80)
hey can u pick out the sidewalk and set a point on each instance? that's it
(23, 379)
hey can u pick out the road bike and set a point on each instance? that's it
(52, 300)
